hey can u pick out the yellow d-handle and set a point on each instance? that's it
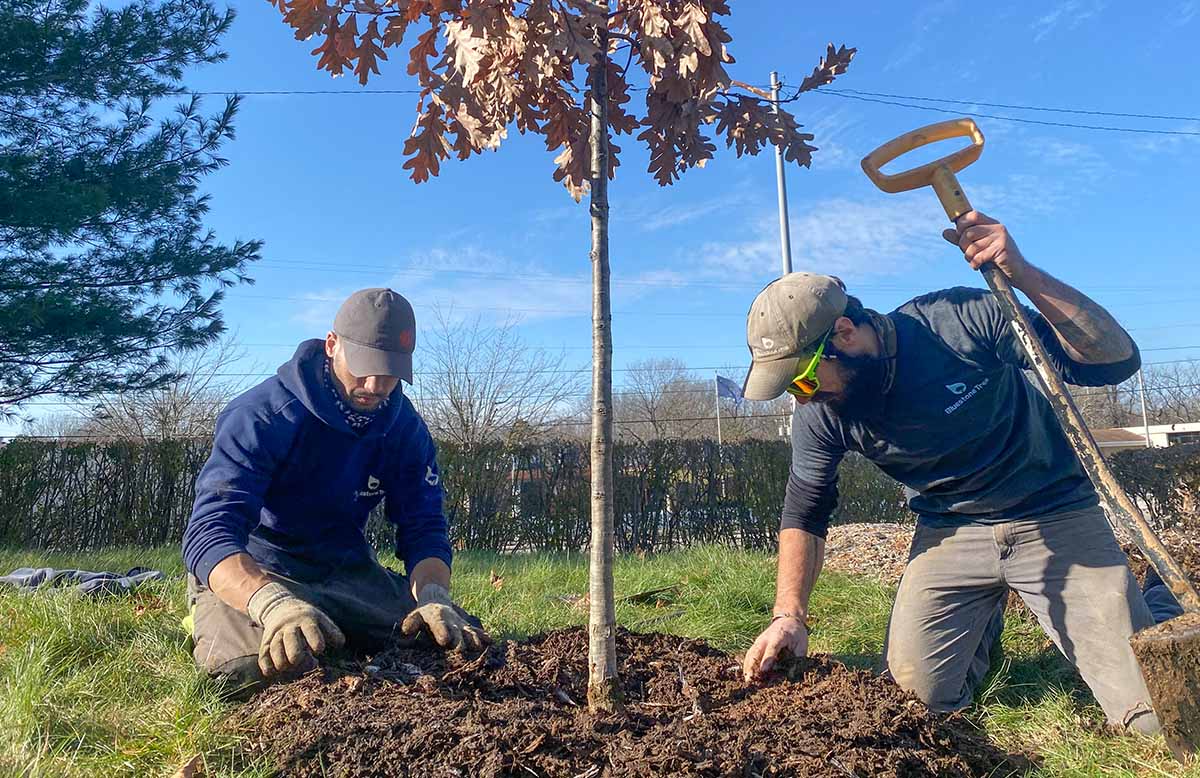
(938, 174)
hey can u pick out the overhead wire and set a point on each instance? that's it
(843, 93)
(1021, 120)
(1047, 109)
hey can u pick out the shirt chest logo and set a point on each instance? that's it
(965, 395)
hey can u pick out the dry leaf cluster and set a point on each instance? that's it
(484, 66)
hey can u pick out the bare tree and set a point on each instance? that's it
(1172, 396)
(1108, 406)
(186, 408)
(1172, 392)
(481, 383)
(65, 426)
(661, 399)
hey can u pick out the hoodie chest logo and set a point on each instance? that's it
(431, 476)
(372, 489)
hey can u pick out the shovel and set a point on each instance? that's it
(1169, 653)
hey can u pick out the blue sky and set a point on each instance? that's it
(319, 179)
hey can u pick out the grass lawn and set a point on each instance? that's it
(106, 687)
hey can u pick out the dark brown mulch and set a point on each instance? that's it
(520, 710)
(1183, 545)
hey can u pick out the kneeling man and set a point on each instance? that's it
(935, 394)
(280, 568)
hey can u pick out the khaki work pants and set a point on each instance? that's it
(1069, 571)
(367, 602)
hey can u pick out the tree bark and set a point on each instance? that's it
(604, 689)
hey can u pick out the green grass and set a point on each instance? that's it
(106, 687)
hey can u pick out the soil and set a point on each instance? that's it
(519, 709)
(1169, 655)
(1184, 546)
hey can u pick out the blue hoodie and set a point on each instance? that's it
(290, 483)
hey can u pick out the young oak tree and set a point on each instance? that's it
(553, 68)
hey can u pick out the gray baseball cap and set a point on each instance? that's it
(378, 332)
(786, 323)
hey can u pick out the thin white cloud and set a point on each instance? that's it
(1148, 145)
(919, 32)
(470, 280)
(675, 215)
(318, 308)
(875, 237)
(1080, 160)
(1067, 15)
(1183, 13)
(832, 138)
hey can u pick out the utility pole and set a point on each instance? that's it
(720, 444)
(785, 238)
(1145, 418)
(717, 404)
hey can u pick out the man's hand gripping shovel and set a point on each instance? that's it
(1169, 654)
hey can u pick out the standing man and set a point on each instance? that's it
(933, 394)
(280, 568)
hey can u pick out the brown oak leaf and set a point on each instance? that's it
(331, 56)
(834, 63)
(419, 55)
(427, 145)
(368, 51)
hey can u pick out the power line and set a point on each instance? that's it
(547, 425)
(844, 93)
(587, 280)
(706, 390)
(1016, 107)
(1020, 120)
(301, 92)
(692, 369)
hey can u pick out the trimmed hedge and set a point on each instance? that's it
(68, 496)
(1164, 481)
(669, 494)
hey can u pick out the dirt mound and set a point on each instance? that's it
(520, 710)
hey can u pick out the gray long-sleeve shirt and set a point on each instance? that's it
(962, 427)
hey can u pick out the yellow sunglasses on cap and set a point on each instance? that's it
(806, 383)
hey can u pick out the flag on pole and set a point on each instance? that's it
(727, 388)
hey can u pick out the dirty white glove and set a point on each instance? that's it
(294, 631)
(437, 614)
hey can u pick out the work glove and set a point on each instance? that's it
(445, 622)
(294, 631)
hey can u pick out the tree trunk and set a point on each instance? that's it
(604, 689)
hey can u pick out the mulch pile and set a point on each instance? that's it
(1183, 545)
(519, 709)
(880, 550)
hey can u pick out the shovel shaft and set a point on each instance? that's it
(1121, 510)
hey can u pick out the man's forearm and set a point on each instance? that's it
(235, 579)
(429, 571)
(1088, 333)
(800, 557)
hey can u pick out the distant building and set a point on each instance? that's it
(1117, 439)
(1111, 441)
